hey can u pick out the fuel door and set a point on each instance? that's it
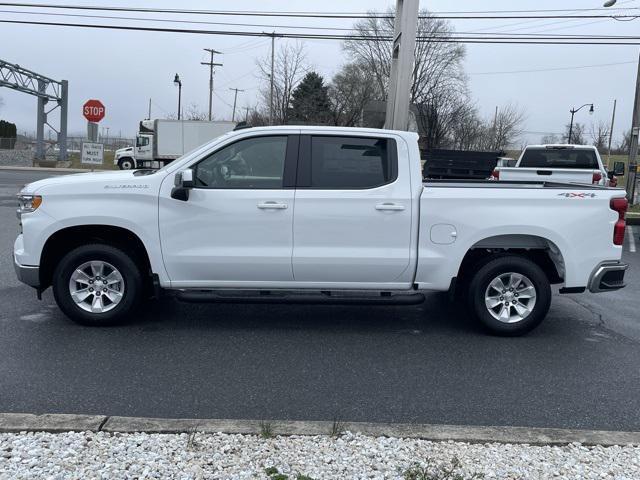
(443, 234)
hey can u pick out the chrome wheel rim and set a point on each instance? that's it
(96, 286)
(510, 297)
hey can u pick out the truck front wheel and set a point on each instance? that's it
(97, 285)
(126, 163)
(510, 295)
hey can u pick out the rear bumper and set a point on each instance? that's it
(27, 274)
(607, 277)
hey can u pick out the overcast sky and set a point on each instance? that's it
(125, 69)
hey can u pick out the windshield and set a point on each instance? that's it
(566, 158)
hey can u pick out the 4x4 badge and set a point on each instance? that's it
(577, 195)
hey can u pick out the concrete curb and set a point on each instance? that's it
(54, 423)
(15, 422)
(50, 169)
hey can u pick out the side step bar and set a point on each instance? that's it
(307, 298)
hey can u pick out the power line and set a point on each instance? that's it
(554, 69)
(198, 12)
(435, 39)
(530, 22)
(295, 27)
(168, 20)
(332, 15)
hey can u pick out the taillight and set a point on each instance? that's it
(620, 205)
(495, 175)
(596, 178)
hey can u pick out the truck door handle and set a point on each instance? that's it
(272, 206)
(390, 207)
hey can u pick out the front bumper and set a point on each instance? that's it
(27, 274)
(608, 277)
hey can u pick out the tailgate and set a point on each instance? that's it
(558, 175)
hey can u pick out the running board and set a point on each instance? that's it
(307, 298)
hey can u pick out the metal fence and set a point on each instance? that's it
(7, 143)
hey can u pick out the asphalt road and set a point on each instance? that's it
(424, 364)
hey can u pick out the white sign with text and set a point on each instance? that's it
(92, 153)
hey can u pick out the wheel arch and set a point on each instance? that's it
(66, 239)
(540, 250)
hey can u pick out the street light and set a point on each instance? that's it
(178, 83)
(609, 3)
(573, 112)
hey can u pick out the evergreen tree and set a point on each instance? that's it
(310, 101)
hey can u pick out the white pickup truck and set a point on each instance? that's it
(315, 214)
(559, 163)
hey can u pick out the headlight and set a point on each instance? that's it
(28, 203)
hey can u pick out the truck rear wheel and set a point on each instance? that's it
(510, 295)
(97, 285)
(126, 163)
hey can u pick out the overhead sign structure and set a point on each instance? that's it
(92, 153)
(93, 110)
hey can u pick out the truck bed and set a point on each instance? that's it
(457, 216)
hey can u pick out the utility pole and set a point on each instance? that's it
(613, 121)
(246, 117)
(149, 117)
(495, 127)
(235, 101)
(210, 64)
(633, 152)
(273, 63)
(403, 58)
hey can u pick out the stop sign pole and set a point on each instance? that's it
(94, 112)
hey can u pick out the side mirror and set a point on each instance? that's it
(183, 182)
(619, 169)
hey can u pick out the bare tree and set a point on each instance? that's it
(349, 92)
(468, 130)
(507, 126)
(624, 146)
(600, 135)
(551, 139)
(577, 134)
(439, 87)
(194, 113)
(289, 68)
(257, 117)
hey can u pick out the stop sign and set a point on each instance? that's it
(93, 110)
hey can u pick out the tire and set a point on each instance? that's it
(528, 302)
(126, 163)
(78, 276)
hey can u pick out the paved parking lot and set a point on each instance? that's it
(426, 364)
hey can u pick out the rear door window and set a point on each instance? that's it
(566, 158)
(352, 162)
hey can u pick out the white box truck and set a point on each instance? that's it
(161, 141)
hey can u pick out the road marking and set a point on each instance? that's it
(632, 240)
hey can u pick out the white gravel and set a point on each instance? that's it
(219, 456)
